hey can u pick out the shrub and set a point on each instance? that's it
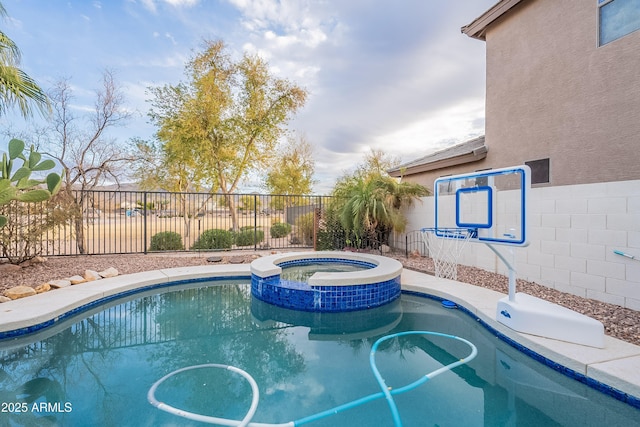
(249, 237)
(166, 241)
(304, 227)
(214, 239)
(280, 229)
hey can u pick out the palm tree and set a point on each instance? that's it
(373, 204)
(16, 87)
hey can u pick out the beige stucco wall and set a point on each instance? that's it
(552, 92)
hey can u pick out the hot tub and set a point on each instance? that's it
(375, 285)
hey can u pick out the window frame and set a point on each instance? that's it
(538, 167)
(599, 42)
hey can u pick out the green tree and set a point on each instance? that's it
(369, 202)
(225, 121)
(291, 172)
(16, 87)
(250, 202)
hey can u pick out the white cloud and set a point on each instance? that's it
(441, 128)
(170, 37)
(182, 3)
(150, 5)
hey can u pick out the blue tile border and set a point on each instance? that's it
(327, 298)
(590, 382)
(301, 296)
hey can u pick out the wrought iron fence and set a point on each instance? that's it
(409, 243)
(121, 222)
(124, 222)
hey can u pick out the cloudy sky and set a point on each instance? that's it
(392, 75)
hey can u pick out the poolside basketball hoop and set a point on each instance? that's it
(445, 246)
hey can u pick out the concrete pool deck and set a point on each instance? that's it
(617, 365)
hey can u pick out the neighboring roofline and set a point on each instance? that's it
(478, 28)
(418, 166)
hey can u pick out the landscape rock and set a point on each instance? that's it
(214, 259)
(91, 275)
(34, 261)
(236, 260)
(109, 272)
(385, 249)
(19, 292)
(4, 299)
(60, 283)
(45, 287)
(76, 280)
(9, 268)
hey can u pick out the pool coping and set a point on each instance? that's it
(614, 369)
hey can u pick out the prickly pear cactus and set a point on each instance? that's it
(19, 185)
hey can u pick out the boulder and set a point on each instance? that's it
(34, 261)
(385, 249)
(9, 268)
(19, 292)
(61, 283)
(45, 287)
(4, 299)
(91, 275)
(109, 272)
(214, 259)
(76, 280)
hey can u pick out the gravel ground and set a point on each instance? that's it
(619, 322)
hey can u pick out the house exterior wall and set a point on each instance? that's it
(574, 230)
(553, 93)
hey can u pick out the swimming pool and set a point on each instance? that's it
(96, 368)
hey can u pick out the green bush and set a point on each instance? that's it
(214, 239)
(166, 241)
(280, 229)
(249, 237)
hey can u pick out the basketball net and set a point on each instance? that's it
(445, 246)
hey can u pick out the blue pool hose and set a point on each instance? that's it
(386, 392)
(617, 252)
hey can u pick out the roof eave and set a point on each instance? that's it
(470, 157)
(478, 28)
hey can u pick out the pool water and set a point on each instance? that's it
(301, 271)
(96, 369)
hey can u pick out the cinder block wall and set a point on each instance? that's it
(574, 230)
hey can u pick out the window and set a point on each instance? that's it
(617, 18)
(539, 171)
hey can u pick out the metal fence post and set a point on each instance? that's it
(255, 222)
(144, 221)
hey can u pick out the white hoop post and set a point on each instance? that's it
(445, 246)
